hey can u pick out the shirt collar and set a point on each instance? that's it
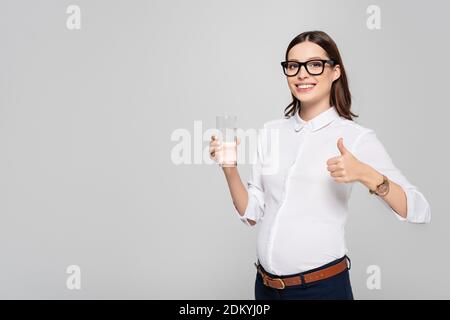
(319, 121)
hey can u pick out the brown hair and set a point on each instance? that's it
(340, 96)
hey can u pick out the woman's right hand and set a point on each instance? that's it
(214, 147)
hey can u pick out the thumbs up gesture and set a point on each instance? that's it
(345, 167)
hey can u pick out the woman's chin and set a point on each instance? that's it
(304, 97)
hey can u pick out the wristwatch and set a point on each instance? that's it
(382, 189)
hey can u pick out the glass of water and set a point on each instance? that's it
(227, 135)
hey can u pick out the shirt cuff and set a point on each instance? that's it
(252, 212)
(418, 208)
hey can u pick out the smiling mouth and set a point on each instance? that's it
(302, 88)
(305, 86)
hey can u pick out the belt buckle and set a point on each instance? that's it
(281, 281)
(265, 277)
(274, 279)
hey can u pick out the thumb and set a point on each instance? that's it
(340, 144)
(238, 140)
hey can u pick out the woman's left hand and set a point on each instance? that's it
(345, 167)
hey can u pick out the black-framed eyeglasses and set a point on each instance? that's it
(313, 67)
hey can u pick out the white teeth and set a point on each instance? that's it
(305, 86)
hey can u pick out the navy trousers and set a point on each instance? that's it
(337, 287)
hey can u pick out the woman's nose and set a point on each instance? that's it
(302, 72)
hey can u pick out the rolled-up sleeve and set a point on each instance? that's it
(255, 206)
(368, 149)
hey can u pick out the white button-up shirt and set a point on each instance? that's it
(299, 208)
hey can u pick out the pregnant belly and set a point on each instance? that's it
(302, 245)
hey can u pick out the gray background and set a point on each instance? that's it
(86, 117)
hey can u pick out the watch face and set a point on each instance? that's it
(382, 188)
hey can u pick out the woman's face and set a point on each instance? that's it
(303, 52)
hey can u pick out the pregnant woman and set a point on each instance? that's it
(299, 189)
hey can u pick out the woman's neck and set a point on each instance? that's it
(309, 112)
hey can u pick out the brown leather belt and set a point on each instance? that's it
(281, 283)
